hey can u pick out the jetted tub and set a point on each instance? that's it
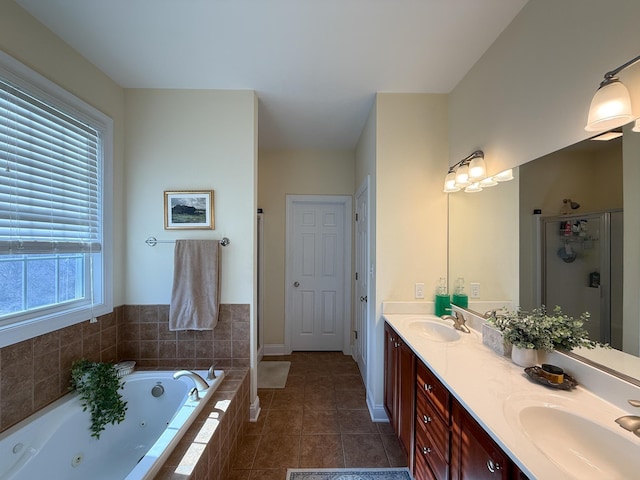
(56, 442)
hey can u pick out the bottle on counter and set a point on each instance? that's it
(442, 300)
(460, 298)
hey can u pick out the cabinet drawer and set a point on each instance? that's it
(427, 453)
(429, 421)
(434, 391)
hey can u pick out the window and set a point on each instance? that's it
(55, 206)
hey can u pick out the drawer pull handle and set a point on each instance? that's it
(426, 450)
(428, 387)
(492, 467)
(426, 418)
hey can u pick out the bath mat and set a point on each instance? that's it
(273, 374)
(348, 474)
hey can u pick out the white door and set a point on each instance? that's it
(318, 272)
(362, 276)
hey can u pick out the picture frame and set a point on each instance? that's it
(188, 209)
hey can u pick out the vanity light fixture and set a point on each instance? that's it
(611, 104)
(470, 169)
(636, 126)
(473, 188)
(504, 176)
(606, 136)
(488, 182)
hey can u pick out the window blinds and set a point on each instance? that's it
(49, 178)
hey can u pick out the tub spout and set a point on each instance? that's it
(200, 382)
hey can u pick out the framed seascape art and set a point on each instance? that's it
(188, 209)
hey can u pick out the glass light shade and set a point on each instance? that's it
(477, 169)
(473, 188)
(450, 183)
(610, 107)
(636, 126)
(488, 182)
(462, 176)
(504, 176)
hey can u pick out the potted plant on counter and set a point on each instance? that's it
(539, 329)
(98, 385)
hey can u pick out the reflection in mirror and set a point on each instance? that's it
(495, 240)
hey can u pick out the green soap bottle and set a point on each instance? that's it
(442, 300)
(460, 298)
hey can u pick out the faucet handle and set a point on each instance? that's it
(634, 403)
(211, 373)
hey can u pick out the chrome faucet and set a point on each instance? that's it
(630, 422)
(459, 322)
(200, 382)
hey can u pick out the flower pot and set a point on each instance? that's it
(525, 357)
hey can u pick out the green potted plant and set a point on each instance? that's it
(539, 329)
(98, 385)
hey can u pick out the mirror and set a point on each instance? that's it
(495, 241)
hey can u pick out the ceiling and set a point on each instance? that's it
(315, 64)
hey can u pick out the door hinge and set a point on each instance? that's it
(355, 333)
(356, 217)
(356, 275)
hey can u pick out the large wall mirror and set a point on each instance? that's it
(556, 235)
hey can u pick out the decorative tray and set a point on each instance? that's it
(536, 374)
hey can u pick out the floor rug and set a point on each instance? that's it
(348, 474)
(273, 374)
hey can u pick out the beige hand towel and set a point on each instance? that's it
(196, 285)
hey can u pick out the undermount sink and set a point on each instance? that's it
(583, 448)
(434, 330)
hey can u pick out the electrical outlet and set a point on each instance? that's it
(475, 290)
(419, 290)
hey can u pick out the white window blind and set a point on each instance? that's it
(49, 183)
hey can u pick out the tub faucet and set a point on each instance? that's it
(459, 322)
(630, 423)
(200, 382)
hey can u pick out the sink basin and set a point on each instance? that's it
(583, 448)
(434, 330)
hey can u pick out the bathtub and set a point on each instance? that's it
(56, 442)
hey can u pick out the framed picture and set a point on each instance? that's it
(188, 209)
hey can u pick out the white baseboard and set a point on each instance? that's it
(274, 349)
(377, 411)
(254, 410)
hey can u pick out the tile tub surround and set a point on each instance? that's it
(35, 372)
(208, 447)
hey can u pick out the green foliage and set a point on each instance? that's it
(98, 385)
(544, 331)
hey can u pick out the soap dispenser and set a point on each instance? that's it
(442, 303)
(460, 298)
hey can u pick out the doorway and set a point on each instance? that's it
(318, 273)
(362, 278)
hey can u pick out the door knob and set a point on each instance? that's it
(296, 284)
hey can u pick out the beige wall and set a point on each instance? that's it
(411, 210)
(189, 140)
(296, 173)
(28, 41)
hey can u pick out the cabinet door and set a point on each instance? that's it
(390, 368)
(475, 455)
(406, 397)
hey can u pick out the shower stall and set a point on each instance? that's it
(581, 264)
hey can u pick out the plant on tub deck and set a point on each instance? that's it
(541, 330)
(98, 385)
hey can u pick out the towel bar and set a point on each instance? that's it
(153, 241)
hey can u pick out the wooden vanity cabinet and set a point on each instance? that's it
(433, 420)
(475, 456)
(399, 388)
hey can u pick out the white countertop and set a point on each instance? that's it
(489, 385)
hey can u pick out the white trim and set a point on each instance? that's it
(376, 411)
(275, 349)
(254, 410)
(260, 226)
(347, 202)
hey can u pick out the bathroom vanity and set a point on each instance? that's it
(461, 411)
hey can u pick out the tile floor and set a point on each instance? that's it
(319, 420)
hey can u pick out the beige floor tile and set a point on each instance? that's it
(321, 451)
(364, 451)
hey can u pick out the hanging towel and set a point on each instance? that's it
(196, 285)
